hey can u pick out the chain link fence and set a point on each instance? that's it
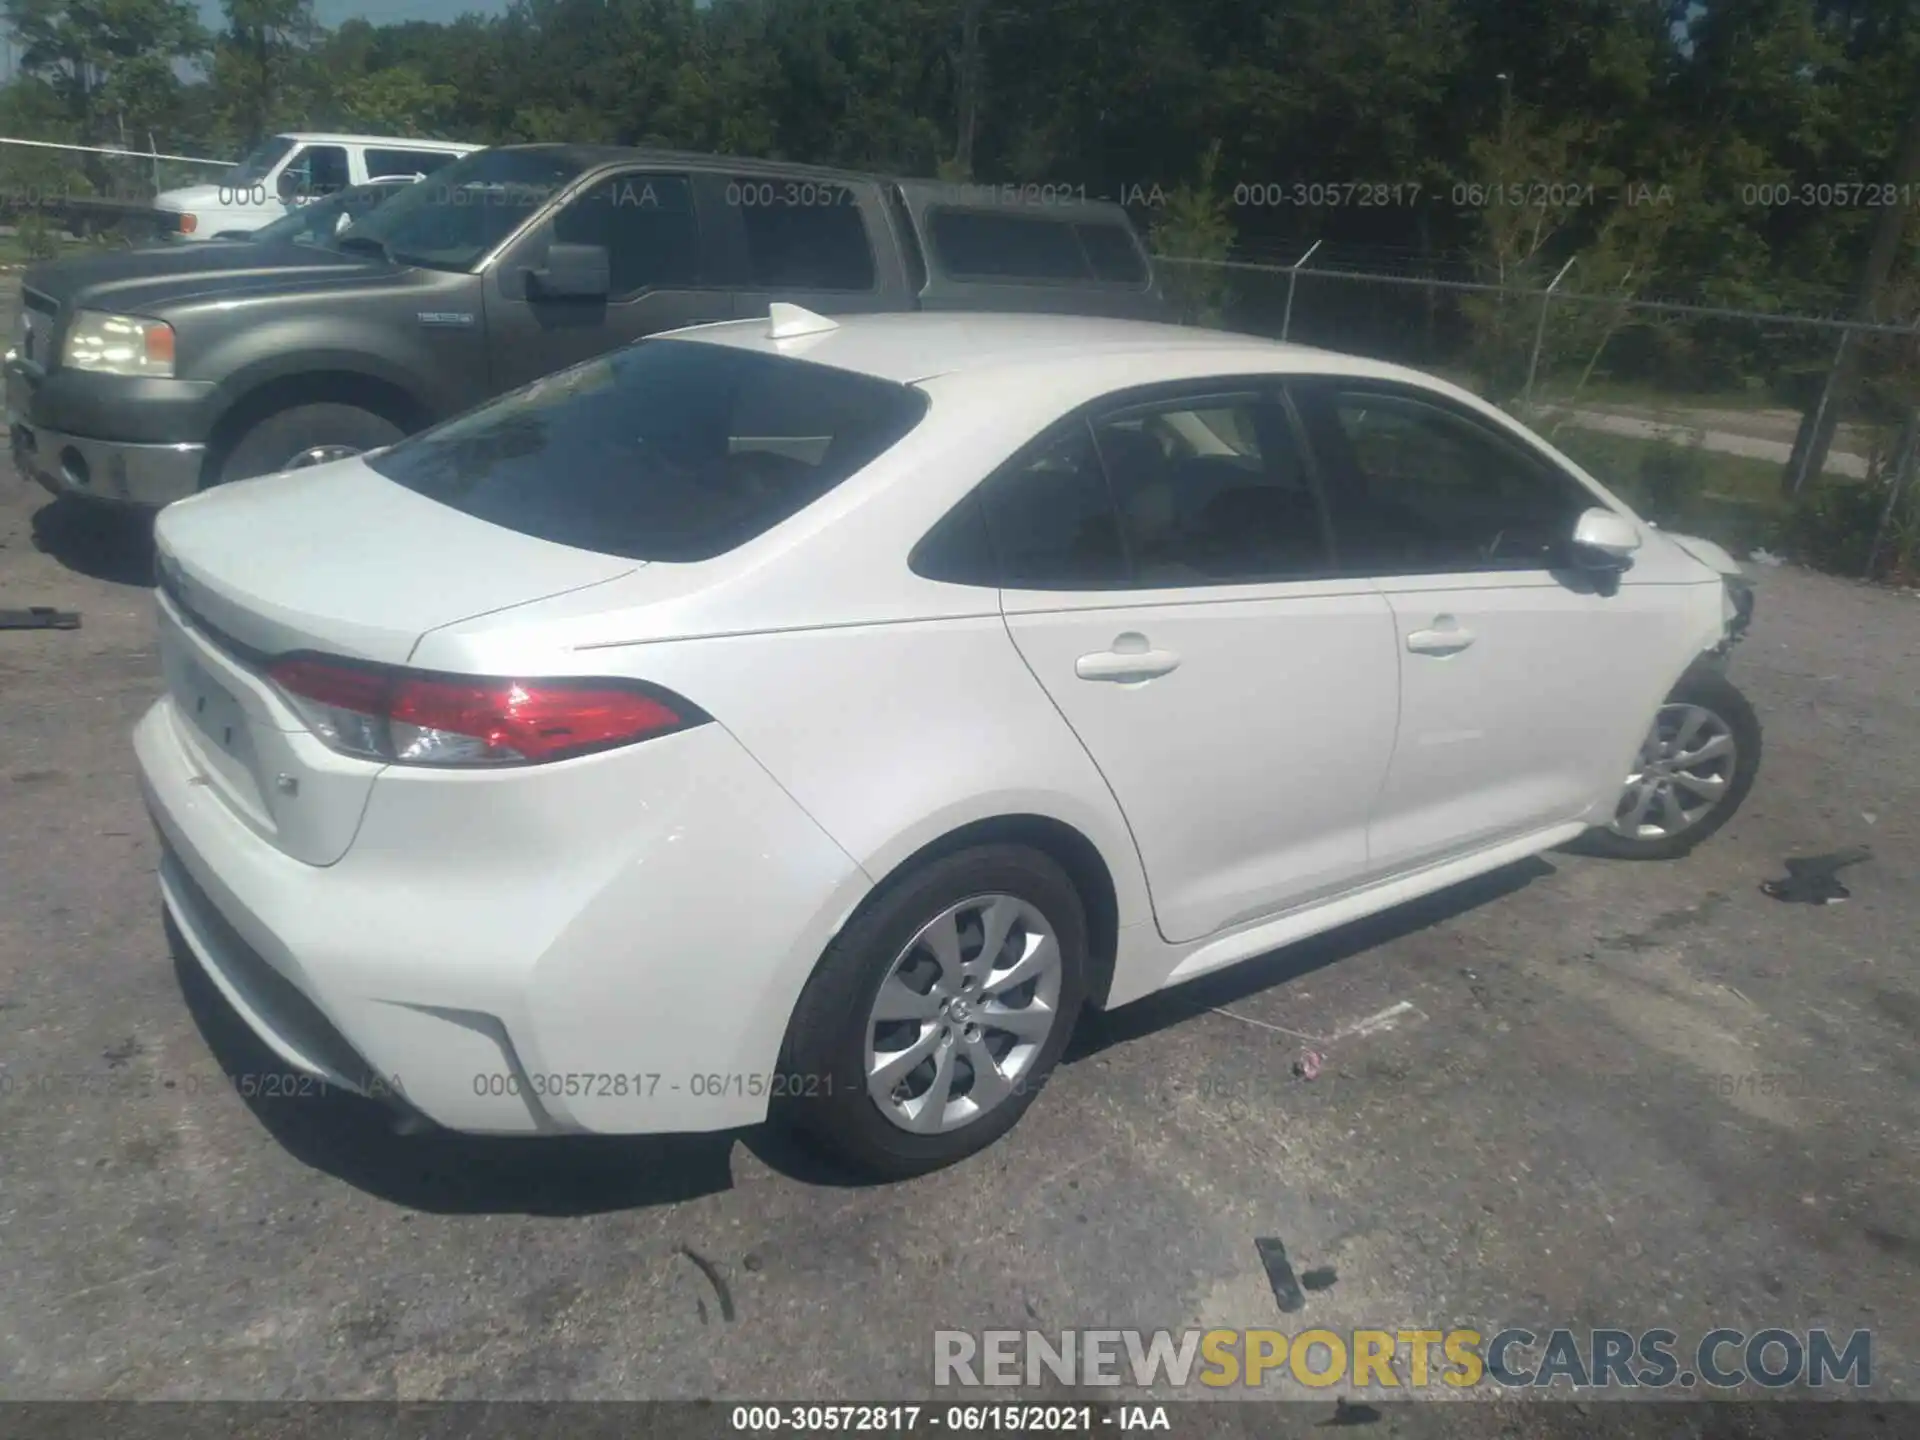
(1694, 413)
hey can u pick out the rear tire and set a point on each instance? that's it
(1724, 723)
(975, 1079)
(306, 434)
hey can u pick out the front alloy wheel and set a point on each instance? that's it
(1695, 767)
(1686, 768)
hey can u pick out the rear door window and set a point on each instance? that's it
(668, 450)
(1052, 519)
(802, 234)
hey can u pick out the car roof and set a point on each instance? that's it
(919, 346)
(328, 137)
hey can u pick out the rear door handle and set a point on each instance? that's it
(1443, 639)
(1125, 666)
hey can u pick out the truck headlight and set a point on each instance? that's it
(118, 345)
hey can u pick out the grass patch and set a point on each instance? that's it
(1731, 499)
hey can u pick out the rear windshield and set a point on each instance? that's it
(666, 450)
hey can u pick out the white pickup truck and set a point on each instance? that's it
(291, 169)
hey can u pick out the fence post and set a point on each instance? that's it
(1540, 335)
(1904, 455)
(1802, 454)
(1293, 279)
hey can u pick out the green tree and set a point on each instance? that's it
(398, 100)
(263, 67)
(107, 64)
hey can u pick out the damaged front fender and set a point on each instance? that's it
(1737, 591)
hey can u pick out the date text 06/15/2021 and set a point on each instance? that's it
(980, 1419)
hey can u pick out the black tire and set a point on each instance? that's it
(1714, 692)
(274, 442)
(824, 1059)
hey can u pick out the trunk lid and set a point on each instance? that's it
(333, 559)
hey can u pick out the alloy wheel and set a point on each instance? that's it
(1685, 769)
(963, 1014)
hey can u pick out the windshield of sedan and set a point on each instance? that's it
(458, 214)
(259, 162)
(668, 450)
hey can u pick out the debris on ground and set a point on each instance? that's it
(712, 1273)
(1287, 1293)
(1765, 557)
(1346, 1413)
(1307, 1067)
(1814, 879)
(39, 617)
(1321, 1277)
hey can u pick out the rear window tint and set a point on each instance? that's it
(1112, 252)
(668, 450)
(803, 235)
(991, 244)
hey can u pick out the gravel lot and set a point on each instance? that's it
(1542, 1137)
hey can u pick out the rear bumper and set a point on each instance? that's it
(610, 945)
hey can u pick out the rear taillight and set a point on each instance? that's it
(409, 717)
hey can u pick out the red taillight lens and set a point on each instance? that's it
(410, 718)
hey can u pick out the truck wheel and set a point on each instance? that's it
(306, 435)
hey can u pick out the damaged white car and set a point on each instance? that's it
(811, 718)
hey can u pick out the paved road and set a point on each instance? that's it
(1570, 1121)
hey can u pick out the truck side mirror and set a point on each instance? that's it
(572, 272)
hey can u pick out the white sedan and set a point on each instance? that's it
(811, 718)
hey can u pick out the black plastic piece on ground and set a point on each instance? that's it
(1286, 1285)
(1814, 879)
(39, 617)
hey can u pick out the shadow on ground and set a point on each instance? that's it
(441, 1172)
(108, 544)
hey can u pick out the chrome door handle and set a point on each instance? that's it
(1441, 640)
(1125, 666)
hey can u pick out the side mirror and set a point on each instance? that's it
(1604, 540)
(572, 272)
(287, 186)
